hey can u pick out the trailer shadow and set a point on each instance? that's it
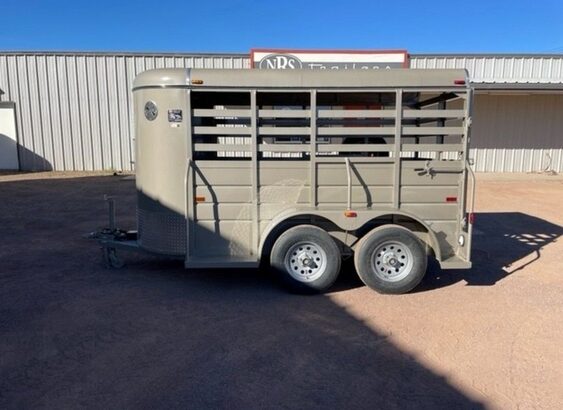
(503, 243)
(152, 335)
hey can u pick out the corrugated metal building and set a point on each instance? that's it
(73, 110)
(517, 119)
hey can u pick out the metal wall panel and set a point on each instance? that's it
(499, 69)
(74, 110)
(518, 133)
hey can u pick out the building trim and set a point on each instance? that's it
(122, 54)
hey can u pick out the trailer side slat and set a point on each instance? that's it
(432, 147)
(328, 194)
(433, 130)
(356, 113)
(204, 112)
(354, 148)
(284, 130)
(284, 113)
(221, 130)
(433, 114)
(223, 147)
(356, 131)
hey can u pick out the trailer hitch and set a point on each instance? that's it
(111, 231)
(112, 238)
(111, 211)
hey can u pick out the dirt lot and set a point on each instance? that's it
(152, 335)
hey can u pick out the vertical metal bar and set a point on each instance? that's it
(417, 138)
(254, 170)
(111, 211)
(112, 214)
(441, 123)
(397, 148)
(468, 171)
(467, 123)
(462, 187)
(313, 154)
(471, 210)
(188, 207)
(189, 178)
(349, 182)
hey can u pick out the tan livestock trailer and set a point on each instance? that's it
(299, 169)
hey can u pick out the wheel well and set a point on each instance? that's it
(412, 224)
(290, 222)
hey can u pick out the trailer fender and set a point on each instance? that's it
(432, 238)
(280, 219)
(343, 223)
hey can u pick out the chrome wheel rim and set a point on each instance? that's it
(392, 261)
(305, 261)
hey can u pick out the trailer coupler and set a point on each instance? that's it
(112, 238)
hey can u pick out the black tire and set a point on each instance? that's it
(390, 259)
(305, 259)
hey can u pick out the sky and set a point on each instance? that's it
(237, 26)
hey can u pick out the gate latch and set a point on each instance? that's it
(427, 170)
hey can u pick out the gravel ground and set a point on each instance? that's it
(152, 335)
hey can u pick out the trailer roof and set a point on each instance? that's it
(227, 78)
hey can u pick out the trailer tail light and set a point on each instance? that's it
(459, 82)
(196, 81)
(200, 198)
(350, 214)
(451, 199)
(471, 218)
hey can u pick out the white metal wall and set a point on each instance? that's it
(511, 133)
(74, 110)
(510, 69)
(518, 133)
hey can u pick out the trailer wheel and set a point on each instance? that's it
(305, 259)
(390, 259)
